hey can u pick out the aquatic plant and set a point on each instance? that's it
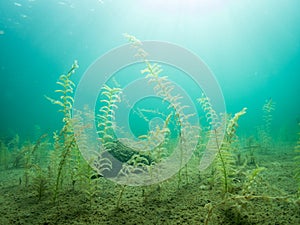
(106, 115)
(64, 140)
(268, 108)
(86, 173)
(265, 130)
(88, 182)
(251, 147)
(119, 199)
(66, 162)
(164, 88)
(224, 163)
(5, 156)
(39, 183)
(16, 153)
(31, 157)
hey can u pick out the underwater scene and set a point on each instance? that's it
(150, 112)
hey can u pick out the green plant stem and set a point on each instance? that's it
(61, 164)
(120, 196)
(223, 164)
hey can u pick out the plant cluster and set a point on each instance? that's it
(52, 169)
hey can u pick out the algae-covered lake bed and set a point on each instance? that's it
(167, 204)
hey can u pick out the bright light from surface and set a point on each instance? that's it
(184, 6)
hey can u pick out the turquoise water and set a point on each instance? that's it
(252, 47)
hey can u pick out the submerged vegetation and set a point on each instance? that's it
(297, 175)
(53, 172)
